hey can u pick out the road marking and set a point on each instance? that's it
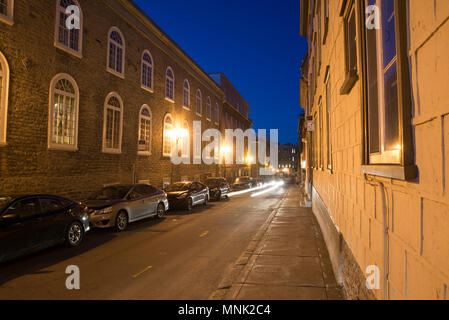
(142, 272)
(204, 234)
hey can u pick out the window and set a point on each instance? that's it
(328, 120)
(167, 138)
(217, 114)
(113, 121)
(326, 20)
(350, 35)
(320, 107)
(186, 94)
(7, 11)
(389, 137)
(50, 205)
(147, 71)
(208, 109)
(232, 123)
(24, 208)
(199, 103)
(4, 94)
(170, 85)
(144, 131)
(69, 30)
(116, 52)
(63, 115)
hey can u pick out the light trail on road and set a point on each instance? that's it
(277, 185)
(272, 184)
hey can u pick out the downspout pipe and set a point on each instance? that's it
(386, 239)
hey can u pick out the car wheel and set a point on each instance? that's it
(75, 234)
(160, 211)
(206, 200)
(189, 206)
(121, 222)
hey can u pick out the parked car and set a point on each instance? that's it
(218, 188)
(243, 183)
(117, 206)
(32, 223)
(186, 195)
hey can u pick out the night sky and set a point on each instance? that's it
(255, 43)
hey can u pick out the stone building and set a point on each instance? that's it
(288, 158)
(95, 101)
(375, 79)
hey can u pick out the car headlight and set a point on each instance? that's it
(103, 211)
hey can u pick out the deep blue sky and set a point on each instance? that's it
(255, 43)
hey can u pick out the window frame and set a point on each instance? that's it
(50, 144)
(106, 106)
(172, 81)
(217, 114)
(406, 170)
(150, 118)
(199, 103)
(61, 46)
(325, 20)
(328, 88)
(123, 47)
(4, 99)
(208, 109)
(9, 17)
(348, 8)
(186, 94)
(164, 134)
(321, 133)
(145, 63)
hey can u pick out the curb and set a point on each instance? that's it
(232, 282)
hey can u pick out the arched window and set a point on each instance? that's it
(208, 109)
(186, 94)
(217, 113)
(116, 52)
(113, 121)
(7, 11)
(69, 26)
(147, 71)
(4, 93)
(199, 103)
(170, 85)
(145, 131)
(167, 136)
(63, 114)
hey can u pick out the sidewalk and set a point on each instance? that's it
(287, 260)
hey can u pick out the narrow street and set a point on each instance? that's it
(184, 256)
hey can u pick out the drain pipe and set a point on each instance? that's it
(386, 236)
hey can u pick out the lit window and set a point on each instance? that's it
(63, 117)
(186, 94)
(145, 131)
(208, 109)
(217, 113)
(199, 103)
(68, 35)
(7, 11)
(147, 71)
(116, 52)
(113, 119)
(167, 138)
(4, 87)
(170, 85)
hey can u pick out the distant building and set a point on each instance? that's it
(378, 142)
(288, 159)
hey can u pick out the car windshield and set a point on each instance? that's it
(4, 201)
(181, 186)
(211, 182)
(241, 180)
(111, 193)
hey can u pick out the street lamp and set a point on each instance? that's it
(225, 150)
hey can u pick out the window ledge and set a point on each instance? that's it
(3, 144)
(147, 89)
(198, 114)
(187, 108)
(144, 153)
(350, 81)
(60, 147)
(169, 100)
(68, 50)
(407, 173)
(6, 19)
(115, 73)
(111, 151)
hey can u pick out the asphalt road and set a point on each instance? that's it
(183, 256)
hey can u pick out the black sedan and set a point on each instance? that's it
(32, 223)
(243, 183)
(186, 195)
(218, 188)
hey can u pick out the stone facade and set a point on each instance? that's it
(397, 222)
(28, 165)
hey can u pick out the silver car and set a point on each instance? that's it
(117, 206)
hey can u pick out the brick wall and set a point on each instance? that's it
(417, 213)
(26, 164)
